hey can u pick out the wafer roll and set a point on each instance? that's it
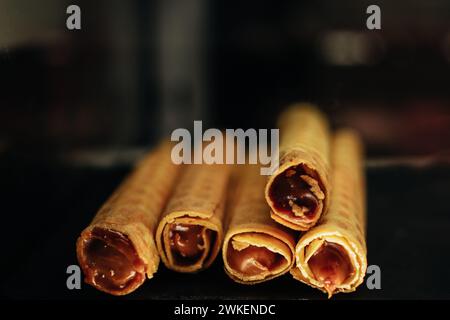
(255, 248)
(190, 232)
(332, 255)
(117, 250)
(298, 192)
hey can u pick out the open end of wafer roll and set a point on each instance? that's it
(330, 263)
(332, 256)
(255, 248)
(252, 257)
(110, 262)
(298, 191)
(189, 243)
(296, 197)
(117, 250)
(189, 234)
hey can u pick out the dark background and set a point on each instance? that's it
(78, 107)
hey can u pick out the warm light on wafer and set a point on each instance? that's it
(255, 248)
(117, 250)
(298, 192)
(190, 232)
(332, 255)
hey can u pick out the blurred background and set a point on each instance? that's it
(77, 107)
(138, 69)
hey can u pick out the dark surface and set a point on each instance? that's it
(47, 205)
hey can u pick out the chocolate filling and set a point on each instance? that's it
(253, 260)
(112, 261)
(292, 196)
(331, 265)
(187, 242)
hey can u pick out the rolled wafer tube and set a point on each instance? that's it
(255, 248)
(117, 250)
(332, 255)
(190, 232)
(298, 191)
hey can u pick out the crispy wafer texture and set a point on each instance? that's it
(304, 139)
(198, 199)
(344, 223)
(249, 222)
(133, 210)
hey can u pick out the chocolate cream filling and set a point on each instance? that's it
(112, 261)
(292, 196)
(331, 265)
(253, 260)
(189, 243)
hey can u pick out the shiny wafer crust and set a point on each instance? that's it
(304, 139)
(198, 199)
(344, 223)
(135, 207)
(248, 215)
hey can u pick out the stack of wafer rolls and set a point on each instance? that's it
(179, 214)
(255, 248)
(332, 255)
(298, 192)
(117, 250)
(190, 233)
